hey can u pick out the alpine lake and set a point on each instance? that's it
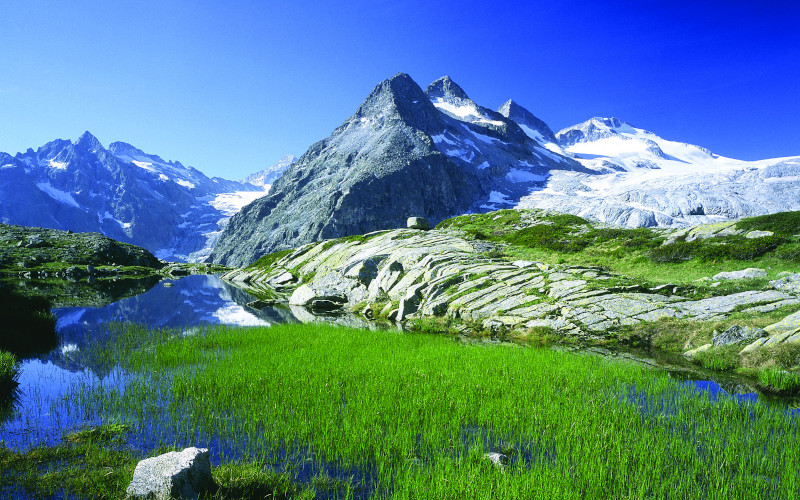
(341, 407)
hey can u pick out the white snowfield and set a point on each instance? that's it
(644, 180)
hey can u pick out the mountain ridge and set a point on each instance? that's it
(404, 152)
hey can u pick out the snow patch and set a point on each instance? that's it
(230, 203)
(185, 183)
(143, 164)
(163, 177)
(464, 111)
(516, 175)
(58, 165)
(483, 165)
(498, 197)
(57, 194)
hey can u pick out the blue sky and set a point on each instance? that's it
(230, 87)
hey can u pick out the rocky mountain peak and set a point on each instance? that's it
(88, 142)
(534, 127)
(119, 148)
(446, 89)
(591, 130)
(401, 98)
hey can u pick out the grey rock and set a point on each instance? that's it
(758, 234)
(790, 283)
(417, 223)
(317, 297)
(736, 334)
(182, 475)
(750, 272)
(694, 352)
(789, 323)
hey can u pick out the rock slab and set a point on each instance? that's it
(178, 474)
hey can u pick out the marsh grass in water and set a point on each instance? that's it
(9, 372)
(348, 413)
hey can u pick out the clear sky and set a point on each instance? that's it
(231, 86)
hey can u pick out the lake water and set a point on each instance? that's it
(33, 417)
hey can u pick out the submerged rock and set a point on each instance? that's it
(177, 474)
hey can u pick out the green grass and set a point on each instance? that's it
(637, 253)
(95, 463)
(782, 223)
(9, 372)
(352, 413)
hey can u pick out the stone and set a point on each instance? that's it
(178, 474)
(736, 334)
(692, 353)
(787, 283)
(749, 273)
(418, 223)
(283, 279)
(758, 234)
(314, 298)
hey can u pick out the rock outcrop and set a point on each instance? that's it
(408, 273)
(32, 247)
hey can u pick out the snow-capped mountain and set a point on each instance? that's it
(405, 152)
(637, 178)
(265, 178)
(173, 210)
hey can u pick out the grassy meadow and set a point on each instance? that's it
(641, 254)
(330, 412)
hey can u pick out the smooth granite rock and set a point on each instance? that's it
(178, 474)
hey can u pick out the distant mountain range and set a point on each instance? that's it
(173, 210)
(405, 152)
(436, 153)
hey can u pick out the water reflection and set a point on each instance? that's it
(50, 371)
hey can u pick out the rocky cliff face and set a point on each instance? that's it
(121, 192)
(403, 153)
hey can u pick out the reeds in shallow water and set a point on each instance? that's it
(355, 413)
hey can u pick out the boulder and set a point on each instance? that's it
(736, 334)
(317, 298)
(177, 474)
(692, 353)
(417, 223)
(750, 272)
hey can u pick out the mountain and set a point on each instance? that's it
(404, 152)
(637, 178)
(172, 210)
(265, 178)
